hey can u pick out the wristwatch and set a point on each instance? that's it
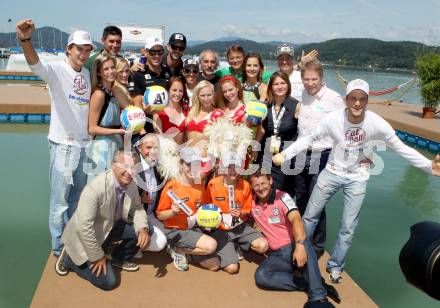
(300, 242)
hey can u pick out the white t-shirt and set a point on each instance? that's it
(297, 85)
(354, 143)
(69, 91)
(313, 109)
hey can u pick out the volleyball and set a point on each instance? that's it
(157, 97)
(256, 112)
(133, 119)
(209, 216)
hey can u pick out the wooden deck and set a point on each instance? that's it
(159, 284)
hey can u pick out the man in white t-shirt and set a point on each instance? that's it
(69, 89)
(354, 131)
(287, 64)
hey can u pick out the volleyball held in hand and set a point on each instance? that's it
(256, 112)
(133, 119)
(209, 216)
(156, 97)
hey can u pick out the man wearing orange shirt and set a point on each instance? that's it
(233, 196)
(182, 237)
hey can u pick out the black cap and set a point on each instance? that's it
(177, 38)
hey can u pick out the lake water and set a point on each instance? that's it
(378, 80)
(398, 198)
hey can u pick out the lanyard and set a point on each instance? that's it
(277, 119)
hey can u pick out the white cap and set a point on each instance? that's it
(153, 41)
(80, 38)
(190, 154)
(358, 84)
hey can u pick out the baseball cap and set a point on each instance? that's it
(177, 38)
(80, 37)
(190, 154)
(153, 41)
(284, 49)
(231, 158)
(358, 84)
(191, 62)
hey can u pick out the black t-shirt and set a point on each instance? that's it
(213, 80)
(140, 80)
(177, 71)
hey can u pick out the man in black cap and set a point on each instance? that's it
(173, 59)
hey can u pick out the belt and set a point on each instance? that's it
(310, 151)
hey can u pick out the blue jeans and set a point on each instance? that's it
(67, 180)
(354, 192)
(276, 273)
(123, 252)
(305, 181)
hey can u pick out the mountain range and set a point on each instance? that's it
(360, 52)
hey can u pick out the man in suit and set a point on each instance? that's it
(106, 208)
(150, 183)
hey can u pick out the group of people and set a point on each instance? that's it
(314, 142)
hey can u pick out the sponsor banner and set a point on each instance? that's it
(134, 34)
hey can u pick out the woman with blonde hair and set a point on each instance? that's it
(202, 113)
(108, 97)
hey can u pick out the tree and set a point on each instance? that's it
(428, 69)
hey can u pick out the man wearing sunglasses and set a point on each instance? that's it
(153, 74)
(173, 59)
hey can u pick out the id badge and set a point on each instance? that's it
(275, 144)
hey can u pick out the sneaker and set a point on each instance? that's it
(60, 269)
(334, 276)
(321, 303)
(239, 252)
(138, 255)
(125, 265)
(179, 259)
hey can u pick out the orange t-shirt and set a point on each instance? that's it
(217, 194)
(193, 196)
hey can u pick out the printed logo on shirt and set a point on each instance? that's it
(276, 211)
(256, 211)
(80, 85)
(147, 76)
(354, 136)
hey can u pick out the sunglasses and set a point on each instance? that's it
(155, 52)
(177, 47)
(191, 70)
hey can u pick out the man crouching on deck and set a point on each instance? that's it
(107, 206)
(276, 214)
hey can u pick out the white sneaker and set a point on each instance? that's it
(179, 259)
(335, 277)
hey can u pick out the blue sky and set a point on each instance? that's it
(293, 21)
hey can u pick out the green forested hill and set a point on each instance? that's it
(347, 51)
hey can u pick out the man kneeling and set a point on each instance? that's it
(276, 214)
(105, 210)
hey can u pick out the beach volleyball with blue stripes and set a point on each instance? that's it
(256, 112)
(133, 119)
(156, 97)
